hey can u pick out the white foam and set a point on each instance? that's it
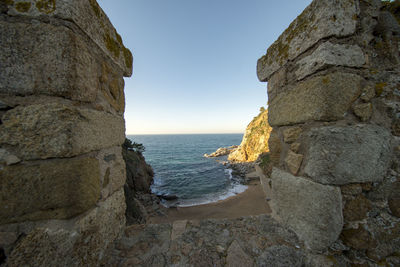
(211, 198)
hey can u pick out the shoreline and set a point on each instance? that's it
(250, 202)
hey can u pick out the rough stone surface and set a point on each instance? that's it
(82, 245)
(318, 98)
(312, 210)
(352, 154)
(236, 242)
(55, 189)
(328, 54)
(178, 228)
(291, 134)
(394, 206)
(358, 238)
(275, 147)
(255, 139)
(56, 130)
(357, 209)
(363, 111)
(293, 162)
(59, 63)
(237, 257)
(321, 19)
(90, 18)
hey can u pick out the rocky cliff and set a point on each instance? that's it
(255, 139)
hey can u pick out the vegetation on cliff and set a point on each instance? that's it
(255, 140)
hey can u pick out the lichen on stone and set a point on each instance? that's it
(128, 57)
(96, 8)
(23, 6)
(8, 2)
(112, 45)
(46, 6)
(379, 88)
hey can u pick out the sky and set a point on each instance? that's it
(194, 61)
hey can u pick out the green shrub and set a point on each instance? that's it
(129, 145)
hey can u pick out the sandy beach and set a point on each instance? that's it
(250, 202)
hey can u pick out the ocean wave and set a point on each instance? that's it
(207, 199)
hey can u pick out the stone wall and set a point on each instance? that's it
(334, 105)
(61, 107)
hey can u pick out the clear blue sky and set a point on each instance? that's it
(194, 67)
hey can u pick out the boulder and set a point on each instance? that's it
(320, 98)
(352, 154)
(312, 210)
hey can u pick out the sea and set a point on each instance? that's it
(182, 170)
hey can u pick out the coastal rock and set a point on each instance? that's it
(222, 151)
(55, 130)
(322, 18)
(64, 188)
(329, 54)
(255, 139)
(352, 154)
(318, 223)
(320, 98)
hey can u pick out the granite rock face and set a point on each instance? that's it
(312, 210)
(335, 153)
(255, 139)
(320, 98)
(321, 19)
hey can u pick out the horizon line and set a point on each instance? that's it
(177, 133)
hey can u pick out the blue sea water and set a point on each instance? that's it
(181, 170)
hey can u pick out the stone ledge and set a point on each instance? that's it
(321, 19)
(88, 16)
(56, 130)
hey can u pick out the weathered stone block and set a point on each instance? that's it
(363, 111)
(312, 210)
(321, 19)
(293, 162)
(352, 154)
(89, 17)
(328, 54)
(291, 134)
(54, 189)
(56, 130)
(321, 98)
(83, 245)
(58, 63)
(357, 209)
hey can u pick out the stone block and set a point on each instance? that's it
(89, 17)
(291, 134)
(312, 210)
(363, 111)
(356, 209)
(343, 155)
(236, 257)
(83, 245)
(53, 189)
(43, 131)
(328, 54)
(293, 162)
(57, 63)
(275, 147)
(321, 19)
(321, 98)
